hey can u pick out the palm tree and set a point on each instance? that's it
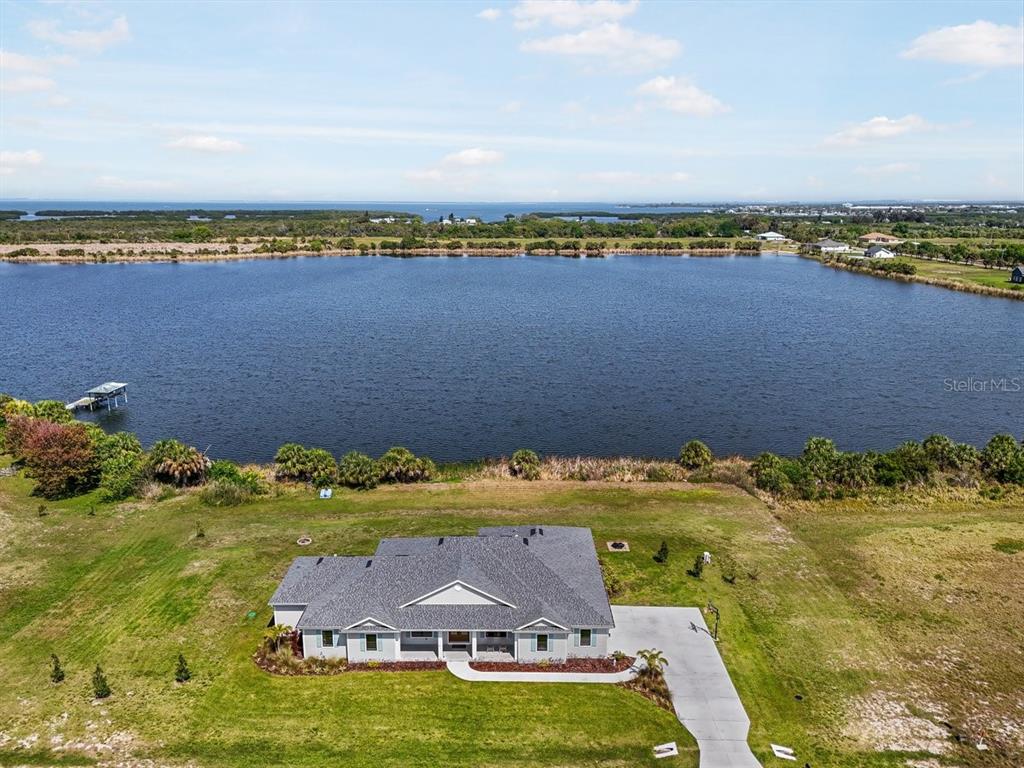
(654, 660)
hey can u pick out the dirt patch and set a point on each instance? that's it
(881, 722)
(608, 666)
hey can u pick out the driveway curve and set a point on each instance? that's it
(704, 697)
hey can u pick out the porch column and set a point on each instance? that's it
(398, 646)
(472, 644)
(515, 647)
(440, 646)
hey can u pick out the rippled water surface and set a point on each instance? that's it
(468, 357)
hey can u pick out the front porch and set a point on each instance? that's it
(456, 645)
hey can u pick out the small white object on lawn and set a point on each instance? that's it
(326, 493)
(666, 750)
(786, 753)
(707, 558)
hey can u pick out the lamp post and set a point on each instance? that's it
(712, 609)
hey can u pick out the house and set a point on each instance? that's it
(879, 252)
(772, 237)
(830, 246)
(1017, 276)
(880, 238)
(522, 593)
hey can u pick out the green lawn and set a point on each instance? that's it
(963, 273)
(815, 611)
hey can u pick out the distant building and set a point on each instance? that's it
(879, 238)
(830, 246)
(1017, 276)
(879, 252)
(772, 237)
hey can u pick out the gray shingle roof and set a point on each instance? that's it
(554, 574)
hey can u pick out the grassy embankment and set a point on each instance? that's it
(884, 618)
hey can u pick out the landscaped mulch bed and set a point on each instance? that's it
(570, 665)
(652, 687)
(287, 664)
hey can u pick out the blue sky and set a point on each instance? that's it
(531, 100)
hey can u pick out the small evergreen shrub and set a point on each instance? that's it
(357, 470)
(182, 674)
(323, 471)
(400, 465)
(56, 670)
(661, 556)
(696, 455)
(1001, 459)
(698, 567)
(525, 464)
(100, 688)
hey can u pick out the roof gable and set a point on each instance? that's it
(457, 593)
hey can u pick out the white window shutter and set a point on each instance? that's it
(576, 638)
(319, 640)
(533, 643)
(362, 642)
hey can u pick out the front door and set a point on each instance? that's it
(455, 638)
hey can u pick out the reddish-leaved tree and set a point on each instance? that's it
(61, 458)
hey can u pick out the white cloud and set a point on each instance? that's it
(489, 14)
(19, 62)
(11, 161)
(26, 84)
(620, 46)
(677, 94)
(981, 44)
(91, 40)
(510, 107)
(878, 129)
(473, 157)
(633, 178)
(570, 13)
(425, 174)
(206, 144)
(886, 169)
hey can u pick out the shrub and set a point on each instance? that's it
(226, 471)
(965, 457)
(120, 476)
(659, 473)
(525, 464)
(820, 458)
(61, 457)
(768, 474)
(322, 471)
(999, 457)
(357, 470)
(855, 471)
(913, 461)
(223, 493)
(661, 556)
(171, 461)
(182, 674)
(56, 670)
(696, 455)
(100, 688)
(53, 410)
(400, 465)
(697, 570)
(290, 462)
(940, 451)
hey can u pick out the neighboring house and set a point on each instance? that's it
(772, 237)
(879, 252)
(1017, 276)
(521, 593)
(830, 246)
(880, 238)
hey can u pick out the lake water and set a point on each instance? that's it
(468, 357)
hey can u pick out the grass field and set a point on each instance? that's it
(963, 273)
(885, 618)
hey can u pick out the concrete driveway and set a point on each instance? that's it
(705, 699)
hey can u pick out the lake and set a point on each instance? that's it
(461, 358)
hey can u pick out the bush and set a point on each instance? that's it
(913, 461)
(525, 464)
(61, 457)
(226, 471)
(53, 410)
(940, 450)
(321, 467)
(182, 674)
(855, 471)
(223, 493)
(56, 670)
(696, 455)
(400, 465)
(357, 470)
(820, 458)
(661, 556)
(659, 473)
(290, 462)
(171, 461)
(768, 474)
(100, 688)
(1000, 457)
(698, 567)
(122, 466)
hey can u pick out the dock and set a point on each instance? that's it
(105, 394)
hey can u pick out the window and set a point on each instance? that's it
(585, 638)
(327, 638)
(542, 642)
(500, 635)
(371, 642)
(421, 634)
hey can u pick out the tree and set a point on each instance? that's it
(357, 470)
(999, 456)
(100, 688)
(171, 461)
(290, 462)
(56, 670)
(60, 457)
(768, 474)
(322, 470)
(940, 450)
(525, 464)
(182, 673)
(696, 455)
(400, 465)
(654, 661)
(661, 556)
(820, 458)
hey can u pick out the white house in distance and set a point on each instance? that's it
(772, 237)
(516, 593)
(878, 238)
(879, 252)
(830, 246)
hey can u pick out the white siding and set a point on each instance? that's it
(558, 646)
(312, 645)
(458, 594)
(387, 647)
(287, 615)
(598, 644)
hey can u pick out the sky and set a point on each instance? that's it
(533, 100)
